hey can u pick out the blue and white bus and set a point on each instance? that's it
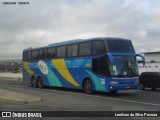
(96, 64)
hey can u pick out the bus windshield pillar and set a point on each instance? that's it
(110, 58)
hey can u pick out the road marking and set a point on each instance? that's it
(83, 94)
(124, 100)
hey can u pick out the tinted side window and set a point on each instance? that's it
(35, 54)
(72, 50)
(95, 65)
(29, 55)
(51, 52)
(98, 47)
(25, 56)
(85, 49)
(32, 55)
(61, 51)
(100, 66)
(41, 54)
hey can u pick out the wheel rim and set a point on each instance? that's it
(34, 83)
(40, 83)
(88, 86)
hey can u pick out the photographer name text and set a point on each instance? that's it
(15, 3)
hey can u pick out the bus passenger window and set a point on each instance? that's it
(98, 47)
(35, 54)
(72, 50)
(85, 49)
(25, 56)
(51, 52)
(41, 54)
(61, 51)
(29, 55)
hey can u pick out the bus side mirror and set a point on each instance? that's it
(143, 59)
(110, 58)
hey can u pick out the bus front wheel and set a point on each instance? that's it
(34, 82)
(88, 86)
(114, 91)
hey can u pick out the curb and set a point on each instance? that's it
(12, 101)
(17, 101)
(11, 78)
(17, 98)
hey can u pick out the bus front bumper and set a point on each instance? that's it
(123, 86)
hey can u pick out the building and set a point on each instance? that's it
(10, 67)
(152, 62)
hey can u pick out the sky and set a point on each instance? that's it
(43, 22)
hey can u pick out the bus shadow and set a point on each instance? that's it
(64, 89)
(97, 93)
(150, 90)
(118, 94)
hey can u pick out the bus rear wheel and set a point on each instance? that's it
(88, 86)
(34, 82)
(40, 82)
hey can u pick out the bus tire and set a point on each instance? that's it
(40, 82)
(34, 82)
(141, 86)
(88, 86)
(114, 91)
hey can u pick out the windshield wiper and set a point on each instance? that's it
(120, 74)
(127, 67)
(133, 73)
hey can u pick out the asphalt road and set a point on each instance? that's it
(56, 99)
(67, 99)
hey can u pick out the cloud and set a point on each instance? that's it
(49, 21)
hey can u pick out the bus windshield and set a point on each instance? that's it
(124, 66)
(120, 46)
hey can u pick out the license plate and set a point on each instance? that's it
(127, 87)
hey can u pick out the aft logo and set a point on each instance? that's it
(21, 114)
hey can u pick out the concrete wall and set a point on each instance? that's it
(11, 75)
(152, 56)
(149, 67)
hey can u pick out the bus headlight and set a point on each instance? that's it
(114, 82)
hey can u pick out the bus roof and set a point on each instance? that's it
(76, 41)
